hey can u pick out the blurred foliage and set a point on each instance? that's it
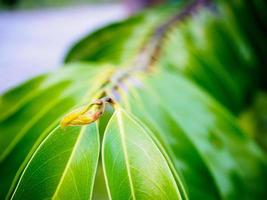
(34, 4)
(254, 119)
(187, 84)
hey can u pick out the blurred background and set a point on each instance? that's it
(35, 34)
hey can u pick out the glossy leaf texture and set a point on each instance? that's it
(203, 140)
(134, 166)
(63, 166)
(31, 117)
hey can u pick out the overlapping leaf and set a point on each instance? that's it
(38, 113)
(216, 52)
(216, 159)
(209, 154)
(134, 166)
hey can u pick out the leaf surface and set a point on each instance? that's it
(134, 166)
(202, 139)
(63, 166)
(23, 131)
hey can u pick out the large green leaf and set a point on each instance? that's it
(63, 166)
(22, 131)
(203, 140)
(184, 155)
(134, 166)
(14, 99)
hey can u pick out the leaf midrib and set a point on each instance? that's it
(124, 149)
(67, 167)
(98, 80)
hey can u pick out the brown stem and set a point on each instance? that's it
(144, 60)
(148, 54)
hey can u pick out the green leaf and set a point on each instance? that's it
(202, 139)
(134, 166)
(182, 152)
(16, 96)
(171, 139)
(254, 120)
(22, 131)
(14, 99)
(27, 115)
(216, 54)
(63, 166)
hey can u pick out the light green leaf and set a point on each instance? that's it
(63, 166)
(14, 99)
(16, 96)
(134, 166)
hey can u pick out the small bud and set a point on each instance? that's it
(84, 115)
